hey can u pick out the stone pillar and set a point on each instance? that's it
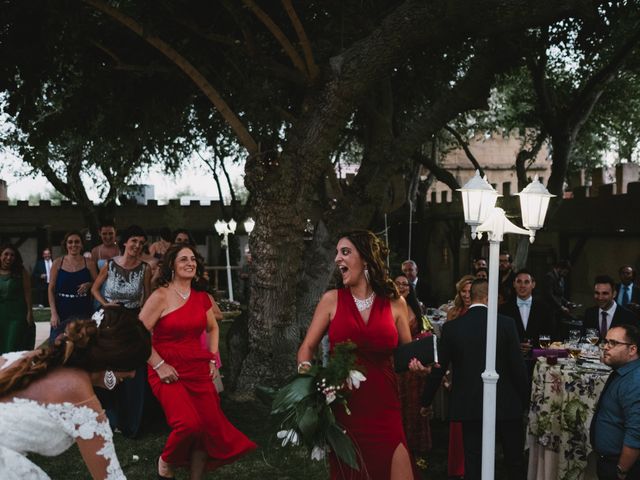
(625, 173)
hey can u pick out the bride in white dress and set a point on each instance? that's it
(47, 401)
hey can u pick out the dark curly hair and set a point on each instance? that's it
(17, 267)
(199, 281)
(120, 343)
(373, 251)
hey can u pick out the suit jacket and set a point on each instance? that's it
(635, 293)
(38, 269)
(423, 292)
(621, 316)
(541, 319)
(463, 345)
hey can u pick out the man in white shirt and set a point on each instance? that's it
(606, 313)
(41, 275)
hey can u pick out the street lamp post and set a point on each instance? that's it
(225, 228)
(480, 213)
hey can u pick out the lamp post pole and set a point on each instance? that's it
(223, 228)
(481, 214)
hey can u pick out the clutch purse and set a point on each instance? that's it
(424, 349)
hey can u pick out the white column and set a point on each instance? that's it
(490, 376)
(229, 282)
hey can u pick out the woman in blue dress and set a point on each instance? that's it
(70, 285)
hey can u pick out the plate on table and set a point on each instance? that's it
(595, 367)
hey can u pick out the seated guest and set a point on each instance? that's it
(533, 316)
(615, 427)
(606, 313)
(463, 344)
(420, 286)
(482, 273)
(628, 291)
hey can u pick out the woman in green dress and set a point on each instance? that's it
(16, 316)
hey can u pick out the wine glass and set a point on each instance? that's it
(574, 335)
(593, 337)
(574, 349)
(544, 340)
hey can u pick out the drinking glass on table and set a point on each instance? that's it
(593, 337)
(574, 335)
(544, 340)
(575, 349)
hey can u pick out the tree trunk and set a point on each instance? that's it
(561, 145)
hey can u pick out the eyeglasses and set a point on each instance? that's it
(613, 343)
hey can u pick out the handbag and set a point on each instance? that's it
(424, 349)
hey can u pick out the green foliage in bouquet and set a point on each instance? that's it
(304, 406)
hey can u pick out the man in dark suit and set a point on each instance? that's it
(41, 273)
(463, 345)
(606, 313)
(507, 276)
(533, 316)
(628, 291)
(422, 288)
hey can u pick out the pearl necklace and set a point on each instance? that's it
(183, 296)
(364, 304)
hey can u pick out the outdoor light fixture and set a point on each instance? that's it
(481, 214)
(249, 224)
(478, 199)
(225, 228)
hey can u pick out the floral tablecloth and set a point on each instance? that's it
(563, 399)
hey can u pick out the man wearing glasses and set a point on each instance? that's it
(615, 428)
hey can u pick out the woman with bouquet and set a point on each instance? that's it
(369, 312)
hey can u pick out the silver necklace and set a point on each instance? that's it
(364, 304)
(183, 296)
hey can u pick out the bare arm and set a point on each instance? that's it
(400, 314)
(95, 289)
(151, 312)
(325, 311)
(217, 313)
(51, 292)
(214, 337)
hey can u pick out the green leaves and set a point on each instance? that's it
(342, 445)
(292, 393)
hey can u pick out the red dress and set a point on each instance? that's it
(191, 404)
(375, 423)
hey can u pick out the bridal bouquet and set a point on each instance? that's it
(304, 406)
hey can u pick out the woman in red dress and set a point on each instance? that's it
(181, 373)
(369, 312)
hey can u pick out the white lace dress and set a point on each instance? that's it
(27, 426)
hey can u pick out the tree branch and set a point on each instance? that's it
(304, 39)
(445, 176)
(216, 179)
(284, 42)
(192, 72)
(524, 155)
(465, 146)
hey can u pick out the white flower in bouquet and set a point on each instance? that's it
(354, 379)
(288, 436)
(318, 453)
(329, 395)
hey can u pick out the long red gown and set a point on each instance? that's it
(191, 404)
(375, 423)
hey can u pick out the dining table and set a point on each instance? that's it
(564, 395)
